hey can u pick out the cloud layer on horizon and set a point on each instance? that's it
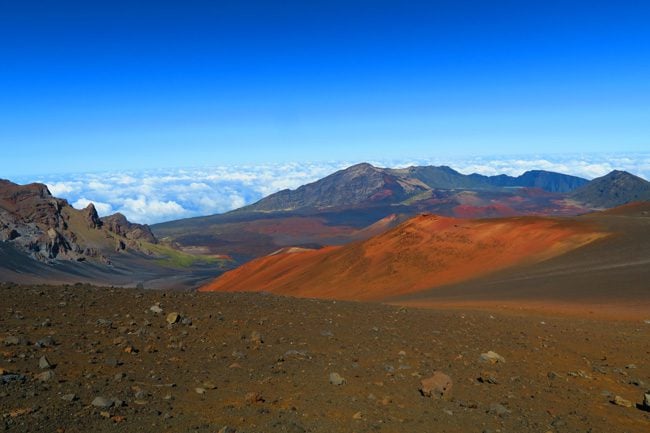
(163, 195)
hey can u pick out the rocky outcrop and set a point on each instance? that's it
(48, 228)
(118, 224)
(91, 217)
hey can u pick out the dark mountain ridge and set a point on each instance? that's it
(614, 189)
(364, 184)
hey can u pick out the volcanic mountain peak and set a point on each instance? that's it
(366, 185)
(614, 189)
(355, 185)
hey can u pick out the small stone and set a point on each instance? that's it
(256, 338)
(227, 429)
(336, 379)
(102, 402)
(199, 390)
(209, 385)
(492, 357)
(12, 341)
(140, 394)
(156, 309)
(45, 342)
(44, 363)
(6, 378)
(112, 362)
(294, 354)
(620, 401)
(173, 317)
(439, 385)
(69, 397)
(357, 415)
(45, 376)
(253, 397)
(488, 377)
(498, 409)
(104, 323)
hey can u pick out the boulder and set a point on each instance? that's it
(439, 385)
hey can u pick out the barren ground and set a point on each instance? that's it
(261, 363)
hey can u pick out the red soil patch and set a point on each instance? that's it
(424, 252)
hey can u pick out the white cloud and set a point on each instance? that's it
(149, 210)
(61, 189)
(161, 195)
(102, 209)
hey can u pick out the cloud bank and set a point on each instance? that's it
(168, 194)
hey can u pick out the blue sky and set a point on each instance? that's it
(92, 86)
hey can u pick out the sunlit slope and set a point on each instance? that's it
(424, 252)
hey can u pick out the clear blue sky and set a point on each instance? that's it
(95, 85)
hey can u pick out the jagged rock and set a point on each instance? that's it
(173, 317)
(46, 228)
(118, 224)
(92, 218)
(44, 363)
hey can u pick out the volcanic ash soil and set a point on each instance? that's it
(80, 359)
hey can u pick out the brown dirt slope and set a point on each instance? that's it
(424, 252)
(610, 277)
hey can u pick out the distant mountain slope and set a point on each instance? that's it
(614, 189)
(361, 183)
(423, 252)
(546, 180)
(364, 184)
(340, 206)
